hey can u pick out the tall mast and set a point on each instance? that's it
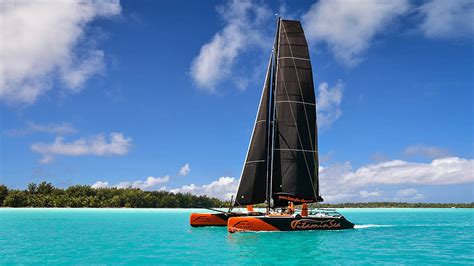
(271, 119)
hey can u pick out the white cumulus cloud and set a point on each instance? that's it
(431, 152)
(97, 145)
(185, 169)
(44, 44)
(150, 182)
(368, 194)
(449, 170)
(447, 19)
(348, 26)
(409, 193)
(100, 184)
(223, 188)
(339, 182)
(51, 128)
(243, 23)
(147, 184)
(329, 103)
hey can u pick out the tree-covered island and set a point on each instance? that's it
(84, 196)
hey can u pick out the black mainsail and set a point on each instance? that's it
(282, 160)
(295, 157)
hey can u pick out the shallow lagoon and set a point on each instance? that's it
(78, 236)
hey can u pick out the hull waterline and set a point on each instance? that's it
(287, 223)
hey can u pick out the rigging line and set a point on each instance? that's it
(253, 131)
(297, 150)
(296, 102)
(256, 161)
(299, 58)
(306, 115)
(237, 202)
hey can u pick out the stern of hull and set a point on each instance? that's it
(207, 219)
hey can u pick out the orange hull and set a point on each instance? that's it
(207, 219)
(286, 223)
(241, 224)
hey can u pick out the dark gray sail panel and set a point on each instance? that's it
(295, 160)
(253, 182)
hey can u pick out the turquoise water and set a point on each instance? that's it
(154, 236)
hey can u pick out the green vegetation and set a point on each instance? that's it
(80, 196)
(385, 205)
(396, 205)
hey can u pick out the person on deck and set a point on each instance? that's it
(291, 208)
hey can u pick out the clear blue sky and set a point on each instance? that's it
(178, 82)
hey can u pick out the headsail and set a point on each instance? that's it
(295, 157)
(253, 181)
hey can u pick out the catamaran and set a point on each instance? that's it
(281, 167)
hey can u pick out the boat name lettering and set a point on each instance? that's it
(289, 198)
(311, 224)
